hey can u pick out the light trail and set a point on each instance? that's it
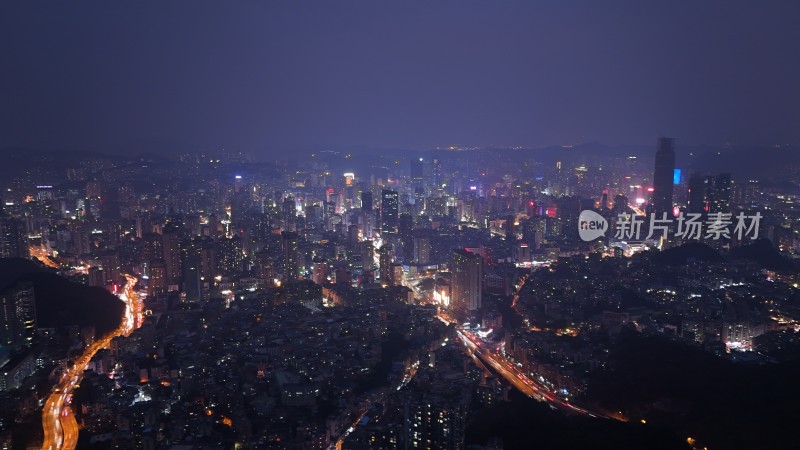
(41, 254)
(408, 375)
(58, 421)
(518, 378)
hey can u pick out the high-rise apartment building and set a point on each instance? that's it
(17, 315)
(467, 280)
(290, 255)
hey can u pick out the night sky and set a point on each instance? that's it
(282, 75)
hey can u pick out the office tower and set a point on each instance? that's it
(390, 210)
(437, 172)
(386, 258)
(569, 208)
(18, 315)
(422, 247)
(366, 201)
(405, 230)
(171, 255)
(290, 255)
(467, 280)
(697, 194)
(289, 213)
(746, 194)
(419, 200)
(529, 231)
(353, 235)
(367, 215)
(192, 278)
(720, 196)
(416, 170)
(314, 216)
(663, 177)
(367, 252)
(509, 228)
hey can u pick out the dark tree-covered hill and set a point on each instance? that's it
(60, 302)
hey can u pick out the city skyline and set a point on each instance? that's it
(371, 225)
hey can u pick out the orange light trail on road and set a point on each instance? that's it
(60, 427)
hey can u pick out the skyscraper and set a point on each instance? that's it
(422, 247)
(386, 258)
(390, 209)
(13, 239)
(467, 281)
(720, 197)
(697, 193)
(192, 278)
(265, 267)
(171, 255)
(416, 170)
(156, 283)
(17, 315)
(289, 211)
(710, 193)
(366, 201)
(663, 177)
(289, 249)
(437, 172)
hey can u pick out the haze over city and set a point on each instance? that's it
(265, 77)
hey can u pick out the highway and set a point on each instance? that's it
(518, 378)
(58, 421)
(42, 255)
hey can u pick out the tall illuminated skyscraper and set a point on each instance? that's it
(437, 172)
(386, 257)
(13, 238)
(390, 210)
(663, 177)
(17, 315)
(290, 248)
(416, 171)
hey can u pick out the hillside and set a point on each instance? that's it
(60, 302)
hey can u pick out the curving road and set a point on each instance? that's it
(518, 378)
(60, 427)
